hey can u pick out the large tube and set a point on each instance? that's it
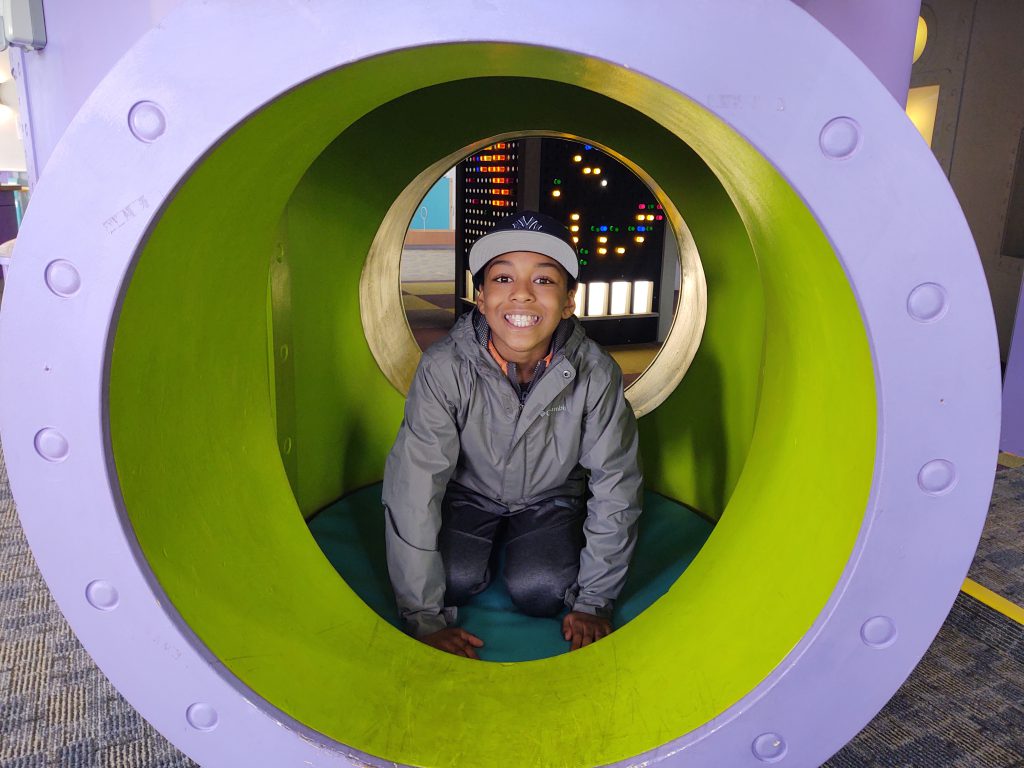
(841, 414)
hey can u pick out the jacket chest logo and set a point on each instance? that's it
(553, 409)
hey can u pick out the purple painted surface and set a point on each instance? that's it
(880, 32)
(81, 48)
(1011, 438)
(835, 135)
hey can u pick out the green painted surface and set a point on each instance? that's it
(784, 374)
(695, 444)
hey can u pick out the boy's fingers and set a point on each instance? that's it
(472, 639)
(577, 638)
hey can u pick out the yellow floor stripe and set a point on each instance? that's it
(992, 600)
(1009, 460)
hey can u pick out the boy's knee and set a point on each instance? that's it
(536, 595)
(463, 583)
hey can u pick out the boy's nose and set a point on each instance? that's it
(523, 292)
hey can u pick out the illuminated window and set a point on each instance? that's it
(922, 103)
(597, 300)
(643, 297)
(921, 39)
(581, 299)
(620, 297)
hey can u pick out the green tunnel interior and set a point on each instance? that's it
(767, 431)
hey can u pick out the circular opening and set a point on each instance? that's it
(783, 369)
(652, 371)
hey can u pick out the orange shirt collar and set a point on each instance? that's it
(503, 363)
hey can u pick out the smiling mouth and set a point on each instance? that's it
(522, 321)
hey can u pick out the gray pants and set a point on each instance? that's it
(542, 548)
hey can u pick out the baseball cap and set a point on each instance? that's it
(526, 231)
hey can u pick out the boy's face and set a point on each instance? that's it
(524, 296)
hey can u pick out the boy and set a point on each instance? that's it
(504, 419)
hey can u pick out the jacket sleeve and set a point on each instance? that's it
(416, 475)
(610, 451)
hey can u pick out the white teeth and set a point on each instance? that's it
(522, 321)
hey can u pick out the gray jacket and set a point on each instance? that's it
(464, 422)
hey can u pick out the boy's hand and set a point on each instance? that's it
(454, 640)
(584, 628)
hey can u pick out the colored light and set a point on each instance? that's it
(650, 217)
(597, 299)
(575, 217)
(640, 217)
(588, 169)
(574, 228)
(602, 251)
(620, 297)
(620, 249)
(597, 170)
(659, 217)
(604, 228)
(604, 182)
(639, 238)
(643, 297)
(576, 159)
(558, 181)
(602, 239)
(583, 262)
(587, 146)
(641, 206)
(641, 229)
(575, 239)
(581, 298)
(556, 193)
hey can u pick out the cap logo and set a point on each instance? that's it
(526, 223)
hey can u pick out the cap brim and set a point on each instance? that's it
(506, 241)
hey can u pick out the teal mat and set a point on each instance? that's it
(351, 534)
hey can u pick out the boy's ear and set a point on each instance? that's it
(480, 298)
(570, 305)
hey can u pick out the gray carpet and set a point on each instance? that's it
(962, 707)
(999, 564)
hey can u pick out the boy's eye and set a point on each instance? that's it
(543, 280)
(502, 279)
